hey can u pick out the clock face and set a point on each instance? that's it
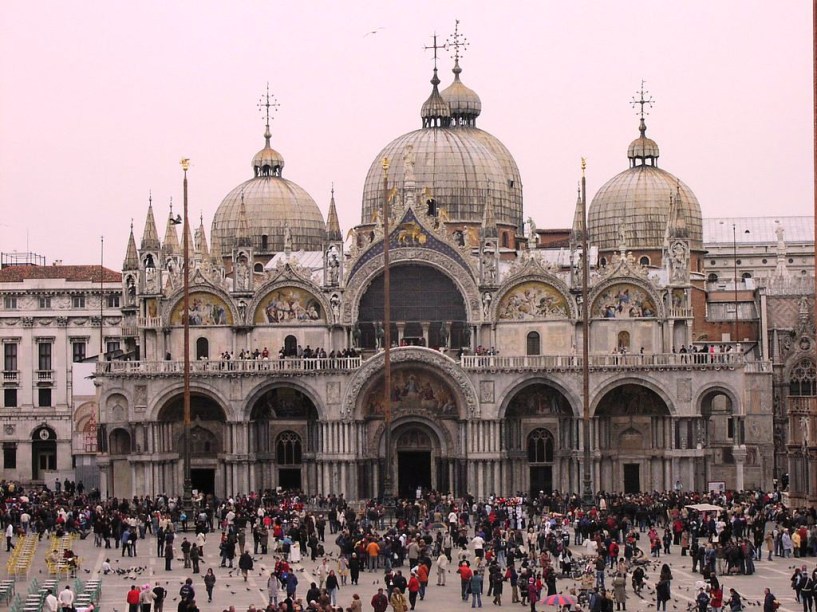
(44, 434)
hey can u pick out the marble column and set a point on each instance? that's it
(739, 453)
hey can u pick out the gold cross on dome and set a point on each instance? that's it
(642, 101)
(457, 41)
(266, 102)
(434, 47)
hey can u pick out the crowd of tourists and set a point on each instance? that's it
(519, 548)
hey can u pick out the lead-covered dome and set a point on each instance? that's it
(453, 160)
(271, 203)
(638, 200)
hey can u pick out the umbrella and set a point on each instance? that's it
(705, 508)
(559, 599)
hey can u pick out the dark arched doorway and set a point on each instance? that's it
(634, 434)
(414, 449)
(208, 432)
(537, 416)
(43, 452)
(540, 461)
(283, 438)
(424, 303)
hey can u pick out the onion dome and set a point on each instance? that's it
(270, 201)
(435, 111)
(463, 101)
(460, 165)
(638, 200)
(643, 148)
(268, 161)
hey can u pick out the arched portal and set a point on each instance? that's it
(283, 438)
(634, 433)
(417, 457)
(720, 428)
(208, 436)
(422, 300)
(540, 460)
(537, 416)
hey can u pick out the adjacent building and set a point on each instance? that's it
(53, 319)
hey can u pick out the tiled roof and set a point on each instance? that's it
(76, 274)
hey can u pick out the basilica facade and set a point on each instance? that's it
(286, 335)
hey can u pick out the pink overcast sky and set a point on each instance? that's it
(100, 99)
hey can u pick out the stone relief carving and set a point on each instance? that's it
(333, 392)
(486, 391)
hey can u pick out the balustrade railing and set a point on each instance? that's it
(238, 366)
(651, 360)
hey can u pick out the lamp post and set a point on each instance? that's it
(587, 491)
(187, 494)
(388, 488)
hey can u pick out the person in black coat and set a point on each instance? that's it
(245, 563)
(354, 569)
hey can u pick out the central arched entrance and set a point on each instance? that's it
(414, 448)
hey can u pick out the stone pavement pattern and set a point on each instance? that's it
(230, 588)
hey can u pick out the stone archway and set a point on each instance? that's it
(633, 430)
(417, 458)
(209, 439)
(530, 410)
(278, 417)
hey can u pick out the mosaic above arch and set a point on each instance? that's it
(624, 301)
(205, 309)
(532, 300)
(412, 389)
(288, 305)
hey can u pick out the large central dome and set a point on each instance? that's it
(272, 203)
(458, 164)
(637, 201)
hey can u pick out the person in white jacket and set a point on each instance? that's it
(66, 599)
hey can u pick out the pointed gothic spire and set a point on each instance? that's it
(333, 232)
(150, 237)
(242, 234)
(489, 229)
(578, 218)
(676, 224)
(131, 257)
(215, 250)
(170, 245)
(201, 241)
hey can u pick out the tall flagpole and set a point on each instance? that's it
(388, 484)
(187, 494)
(587, 491)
